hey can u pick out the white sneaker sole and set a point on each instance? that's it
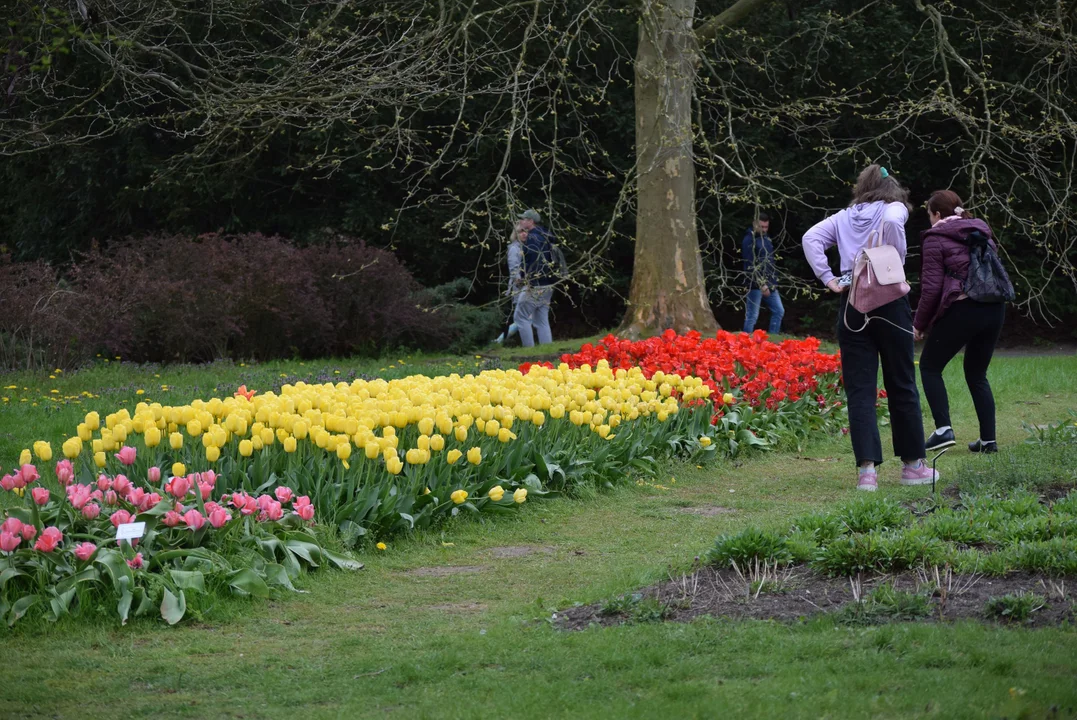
(940, 446)
(918, 481)
(867, 488)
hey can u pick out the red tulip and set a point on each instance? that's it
(210, 478)
(135, 496)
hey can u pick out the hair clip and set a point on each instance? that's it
(959, 210)
(885, 174)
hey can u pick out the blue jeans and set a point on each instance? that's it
(532, 315)
(773, 303)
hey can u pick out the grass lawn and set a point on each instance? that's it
(455, 623)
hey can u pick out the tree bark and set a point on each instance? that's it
(668, 289)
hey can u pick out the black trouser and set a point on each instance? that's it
(976, 327)
(861, 353)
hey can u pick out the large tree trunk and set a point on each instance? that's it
(668, 290)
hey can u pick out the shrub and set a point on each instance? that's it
(750, 546)
(1014, 608)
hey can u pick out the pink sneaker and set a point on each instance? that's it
(868, 481)
(919, 475)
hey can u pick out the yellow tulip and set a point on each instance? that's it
(727, 399)
(492, 428)
(505, 435)
(459, 496)
(423, 443)
(474, 456)
(175, 440)
(381, 546)
(99, 459)
(372, 449)
(344, 450)
(246, 448)
(194, 428)
(72, 447)
(426, 426)
(84, 432)
(452, 456)
(97, 445)
(119, 433)
(289, 444)
(519, 496)
(496, 493)
(152, 437)
(25, 458)
(43, 450)
(538, 419)
(256, 442)
(461, 433)
(394, 465)
(93, 420)
(444, 423)
(705, 441)
(299, 430)
(413, 456)
(178, 469)
(603, 431)
(437, 443)
(213, 453)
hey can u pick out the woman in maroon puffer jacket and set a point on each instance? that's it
(951, 320)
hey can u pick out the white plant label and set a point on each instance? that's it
(130, 531)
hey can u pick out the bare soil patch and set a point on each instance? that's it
(705, 510)
(803, 593)
(518, 551)
(445, 570)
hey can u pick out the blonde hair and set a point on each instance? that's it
(873, 185)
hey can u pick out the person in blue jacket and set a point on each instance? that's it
(761, 272)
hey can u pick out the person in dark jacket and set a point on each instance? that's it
(950, 320)
(532, 314)
(757, 251)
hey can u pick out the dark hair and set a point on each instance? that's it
(945, 202)
(872, 186)
(763, 217)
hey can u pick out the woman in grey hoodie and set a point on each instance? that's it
(879, 204)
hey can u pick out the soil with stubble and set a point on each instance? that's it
(802, 593)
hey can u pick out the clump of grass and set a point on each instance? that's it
(636, 608)
(1025, 467)
(748, 547)
(881, 552)
(872, 513)
(887, 604)
(1014, 608)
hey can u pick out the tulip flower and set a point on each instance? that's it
(305, 512)
(727, 398)
(50, 538)
(209, 477)
(496, 493)
(175, 440)
(136, 562)
(459, 496)
(72, 448)
(126, 455)
(246, 448)
(474, 456)
(104, 483)
(7, 482)
(284, 494)
(85, 550)
(99, 458)
(452, 456)
(179, 469)
(28, 532)
(25, 457)
(91, 511)
(120, 517)
(194, 519)
(272, 512)
(121, 485)
(178, 487)
(381, 546)
(519, 496)
(79, 495)
(135, 496)
(11, 525)
(153, 475)
(28, 473)
(152, 437)
(111, 498)
(289, 444)
(9, 541)
(43, 450)
(171, 519)
(218, 517)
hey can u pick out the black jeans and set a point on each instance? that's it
(976, 327)
(861, 353)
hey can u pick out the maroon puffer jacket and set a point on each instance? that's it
(944, 255)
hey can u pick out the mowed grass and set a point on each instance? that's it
(455, 623)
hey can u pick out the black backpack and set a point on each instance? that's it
(544, 260)
(987, 280)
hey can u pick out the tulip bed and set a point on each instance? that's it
(230, 489)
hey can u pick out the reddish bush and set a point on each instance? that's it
(170, 299)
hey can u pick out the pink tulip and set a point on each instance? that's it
(120, 517)
(9, 541)
(250, 506)
(111, 498)
(79, 495)
(11, 525)
(28, 532)
(305, 511)
(7, 482)
(171, 519)
(40, 495)
(50, 538)
(136, 562)
(136, 495)
(121, 485)
(263, 501)
(284, 494)
(179, 486)
(205, 489)
(211, 506)
(194, 519)
(126, 455)
(91, 511)
(210, 478)
(301, 501)
(154, 475)
(65, 472)
(218, 517)
(103, 483)
(271, 512)
(151, 501)
(97, 495)
(28, 473)
(85, 550)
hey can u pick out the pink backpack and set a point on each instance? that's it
(878, 278)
